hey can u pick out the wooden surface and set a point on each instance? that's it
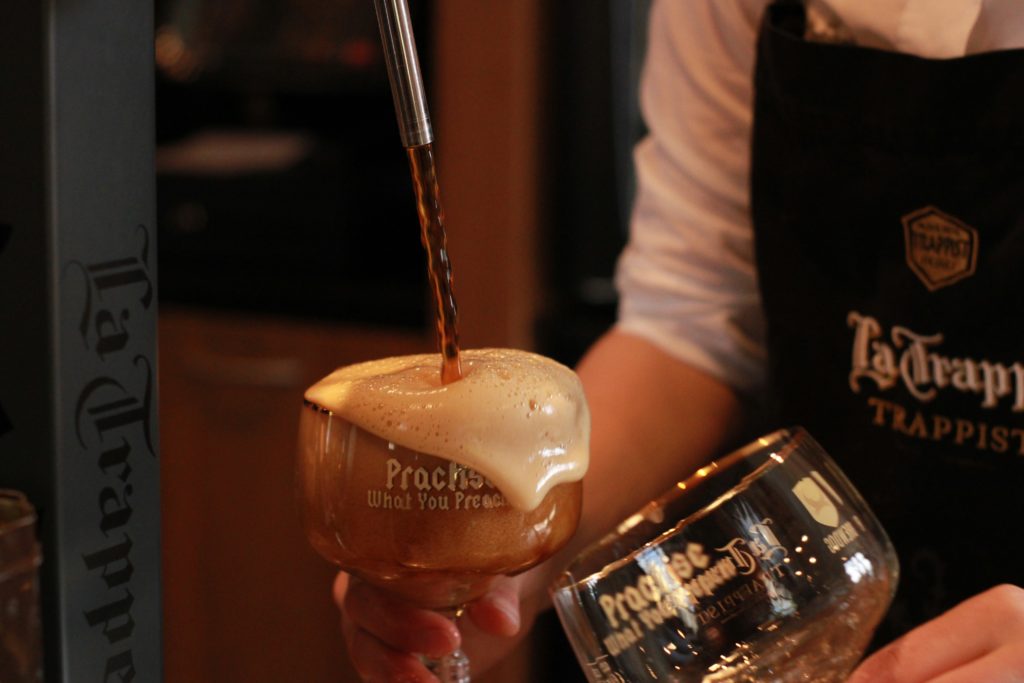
(488, 76)
(245, 598)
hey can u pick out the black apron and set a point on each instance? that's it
(888, 205)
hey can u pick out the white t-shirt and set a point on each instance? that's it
(687, 278)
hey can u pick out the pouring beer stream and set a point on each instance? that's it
(418, 137)
(432, 487)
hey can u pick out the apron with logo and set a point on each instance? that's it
(888, 205)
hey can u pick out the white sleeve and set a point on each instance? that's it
(687, 279)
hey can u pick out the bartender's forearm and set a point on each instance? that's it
(655, 420)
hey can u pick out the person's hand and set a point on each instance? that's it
(979, 641)
(384, 635)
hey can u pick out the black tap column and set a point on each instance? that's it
(78, 386)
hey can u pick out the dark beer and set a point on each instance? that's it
(439, 267)
(427, 529)
(431, 490)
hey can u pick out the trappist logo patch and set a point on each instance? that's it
(817, 502)
(941, 250)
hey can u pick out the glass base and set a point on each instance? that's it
(452, 668)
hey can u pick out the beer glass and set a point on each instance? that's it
(424, 528)
(764, 566)
(20, 629)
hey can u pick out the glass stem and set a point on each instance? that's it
(454, 666)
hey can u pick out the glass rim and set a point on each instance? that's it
(789, 438)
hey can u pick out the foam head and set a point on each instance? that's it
(517, 418)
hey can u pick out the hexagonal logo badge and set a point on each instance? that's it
(941, 249)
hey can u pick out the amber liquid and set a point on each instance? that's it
(439, 267)
(421, 527)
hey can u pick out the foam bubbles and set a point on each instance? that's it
(478, 421)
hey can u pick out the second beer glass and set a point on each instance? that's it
(764, 566)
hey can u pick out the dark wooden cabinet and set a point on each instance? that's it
(245, 598)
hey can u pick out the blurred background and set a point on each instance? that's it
(289, 245)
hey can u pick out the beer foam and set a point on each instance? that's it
(517, 418)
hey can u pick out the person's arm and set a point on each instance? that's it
(655, 420)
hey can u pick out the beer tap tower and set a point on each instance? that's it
(78, 383)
